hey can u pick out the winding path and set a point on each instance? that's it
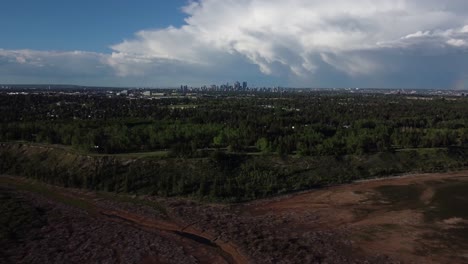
(205, 247)
(227, 250)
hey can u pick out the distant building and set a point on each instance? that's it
(184, 88)
(237, 86)
(244, 85)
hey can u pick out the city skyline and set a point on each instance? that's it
(389, 44)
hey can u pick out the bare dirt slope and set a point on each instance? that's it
(414, 219)
(79, 227)
(86, 227)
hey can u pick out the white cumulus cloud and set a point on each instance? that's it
(386, 43)
(51, 66)
(290, 34)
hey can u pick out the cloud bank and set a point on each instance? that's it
(386, 43)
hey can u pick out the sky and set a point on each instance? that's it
(294, 43)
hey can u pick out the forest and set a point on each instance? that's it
(224, 146)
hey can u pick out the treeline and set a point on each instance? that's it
(304, 125)
(219, 177)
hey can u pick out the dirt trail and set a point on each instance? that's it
(385, 217)
(205, 247)
(228, 250)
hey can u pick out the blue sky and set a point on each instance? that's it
(90, 25)
(296, 43)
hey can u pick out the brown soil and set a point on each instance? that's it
(192, 245)
(374, 225)
(353, 223)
